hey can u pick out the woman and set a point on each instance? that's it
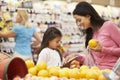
(23, 34)
(107, 51)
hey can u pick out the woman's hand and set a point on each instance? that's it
(97, 48)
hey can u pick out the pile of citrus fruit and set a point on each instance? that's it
(42, 72)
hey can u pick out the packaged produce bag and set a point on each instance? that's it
(2, 24)
(73, 57)
(115, 73)
(6, 16)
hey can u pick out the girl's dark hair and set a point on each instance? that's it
(50, 34)
(84, 9)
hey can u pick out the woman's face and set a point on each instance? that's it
(54, 43)
(82, 21)
(18, 18)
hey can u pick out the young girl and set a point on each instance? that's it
(48, 50)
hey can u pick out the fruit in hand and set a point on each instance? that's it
(92, 43)
(74, 64)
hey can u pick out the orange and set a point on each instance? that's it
(53, 71)
(43, 73)
(41, 65)
(106, 70)
(74, 73)
(29, 64)
(64, 72)
(28, 75)
(94, 68)
(83, 79)
(83, 73)
(32, 70)
(75, 64)
(83, 67)
(101, 77)
(92, 43)
(92, 74)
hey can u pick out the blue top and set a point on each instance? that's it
(23, 39)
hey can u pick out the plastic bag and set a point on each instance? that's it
(89, 59)
(71, 57)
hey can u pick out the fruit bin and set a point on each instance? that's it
(42, 72)
(11, 67)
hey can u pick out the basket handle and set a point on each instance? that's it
(1, 59)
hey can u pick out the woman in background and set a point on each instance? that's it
(106, 33)
(23, 34)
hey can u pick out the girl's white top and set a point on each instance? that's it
(50, 56)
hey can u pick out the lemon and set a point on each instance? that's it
(83, 67)
(83, 73)
(43, 73)
(92, 74)
(32, 70)
(94, 68)
(29, 64)
(106, 70)
(74, 73)
(83, 79)
(54, 71)
(92, 43)
(41, 65)
(101, 77)
(64, 72)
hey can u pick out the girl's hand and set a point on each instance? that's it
(75, 64)
(97, 48)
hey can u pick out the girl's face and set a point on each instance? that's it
(83, 21)
(54, 43)
(18, 18)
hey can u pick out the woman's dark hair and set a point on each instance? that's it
(84, 9)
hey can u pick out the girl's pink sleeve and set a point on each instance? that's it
(114, 32)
